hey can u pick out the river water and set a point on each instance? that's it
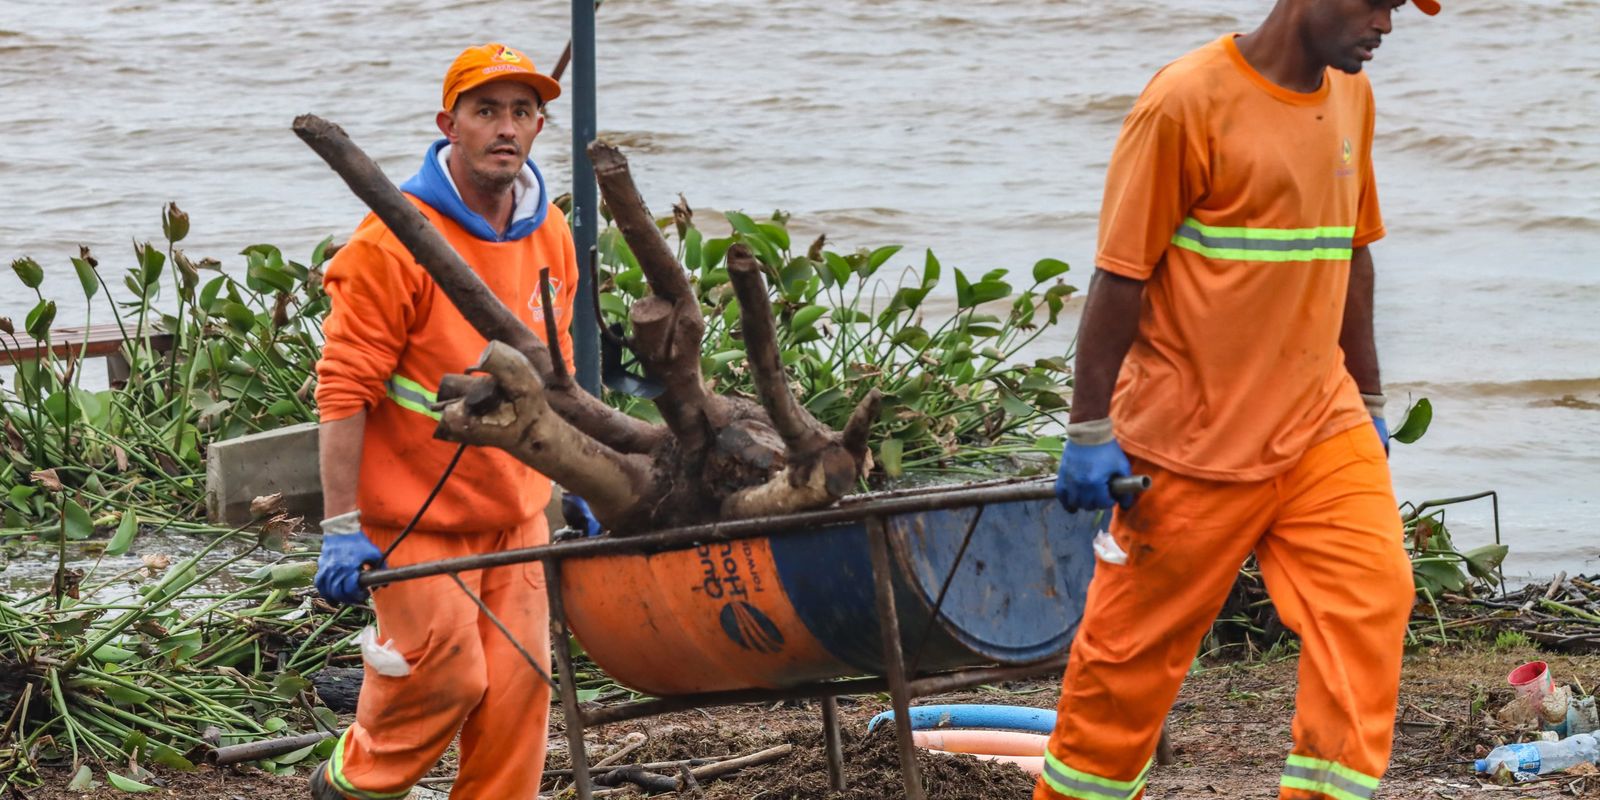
(979, 128)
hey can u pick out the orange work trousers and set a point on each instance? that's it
(466, 676)
(1327, 535)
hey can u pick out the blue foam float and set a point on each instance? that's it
(1007, 718)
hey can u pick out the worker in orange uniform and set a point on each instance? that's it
(391, 336)
(1232, 313)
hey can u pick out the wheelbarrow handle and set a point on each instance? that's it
(1129, 484)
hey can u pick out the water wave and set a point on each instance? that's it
(1538, 389)
(1543, 152)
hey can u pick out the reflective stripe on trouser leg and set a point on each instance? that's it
(1337, 781)
(1069, 782)
(336, 775)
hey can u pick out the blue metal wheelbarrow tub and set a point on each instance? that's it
(792, 604)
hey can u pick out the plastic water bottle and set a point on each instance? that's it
(1542, 758)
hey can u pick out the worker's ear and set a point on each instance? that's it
(447, 125)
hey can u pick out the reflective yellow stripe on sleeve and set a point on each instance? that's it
(411, 396)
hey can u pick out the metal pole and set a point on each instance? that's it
(585, 195)
(784, 525)
(894, 664)
(834, 743)
(574, 720)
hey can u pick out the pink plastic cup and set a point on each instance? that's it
(1532, 681)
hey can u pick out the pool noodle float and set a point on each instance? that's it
(1011, 718)
(983, 743)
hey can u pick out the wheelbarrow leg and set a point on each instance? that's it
(572, 716)
(894, 658)
(835, 747)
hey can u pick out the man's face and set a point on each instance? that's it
(492, 128)
(1344, 33)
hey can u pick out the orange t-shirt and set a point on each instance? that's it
(1238, 203)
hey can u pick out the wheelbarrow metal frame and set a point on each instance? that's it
(870, 510)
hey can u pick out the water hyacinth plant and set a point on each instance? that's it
(160, 663)
(958, 398)
(240, 360)
(135, 668)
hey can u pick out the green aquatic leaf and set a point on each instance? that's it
(713, 252)
(77, 522)
(29, 271)
(86, 277)
(1483, 561)
(1438, 576)
(111, 654)
(124, 695)
(126, 530)
(296, 756)
(40, 319)
(1416, 423)
(319, 255)
(692, 241)
(877, 259)
(292, 576)
(171, 759)
(239, 316)
(806, 318)
(890, 452)
(1046, 268)
(963, 291)
(128, 785)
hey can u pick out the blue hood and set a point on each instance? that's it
(432, 186)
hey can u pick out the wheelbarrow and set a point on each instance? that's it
(924, 591)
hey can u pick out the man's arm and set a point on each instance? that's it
(339, 447)
(1360, 348)
(1107, 329)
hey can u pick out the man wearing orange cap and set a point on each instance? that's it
(1226, 350)
(391, 336)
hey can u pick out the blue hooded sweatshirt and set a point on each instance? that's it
(432, 185)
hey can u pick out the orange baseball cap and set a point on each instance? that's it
(477, 66)
(1429, 7)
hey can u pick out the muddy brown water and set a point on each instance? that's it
(980, 128)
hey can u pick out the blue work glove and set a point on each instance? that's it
(345, 551)
(1375, 408)
(1092, 458)
(575, 510)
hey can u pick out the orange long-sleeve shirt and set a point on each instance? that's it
(392, 335)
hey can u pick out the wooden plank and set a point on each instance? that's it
(95, 341)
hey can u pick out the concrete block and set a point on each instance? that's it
(283, 460)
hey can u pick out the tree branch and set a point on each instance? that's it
(512, 414)
(854, 437)
(669, 348)
(800, 430)
(552, 334)
(632, 217)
